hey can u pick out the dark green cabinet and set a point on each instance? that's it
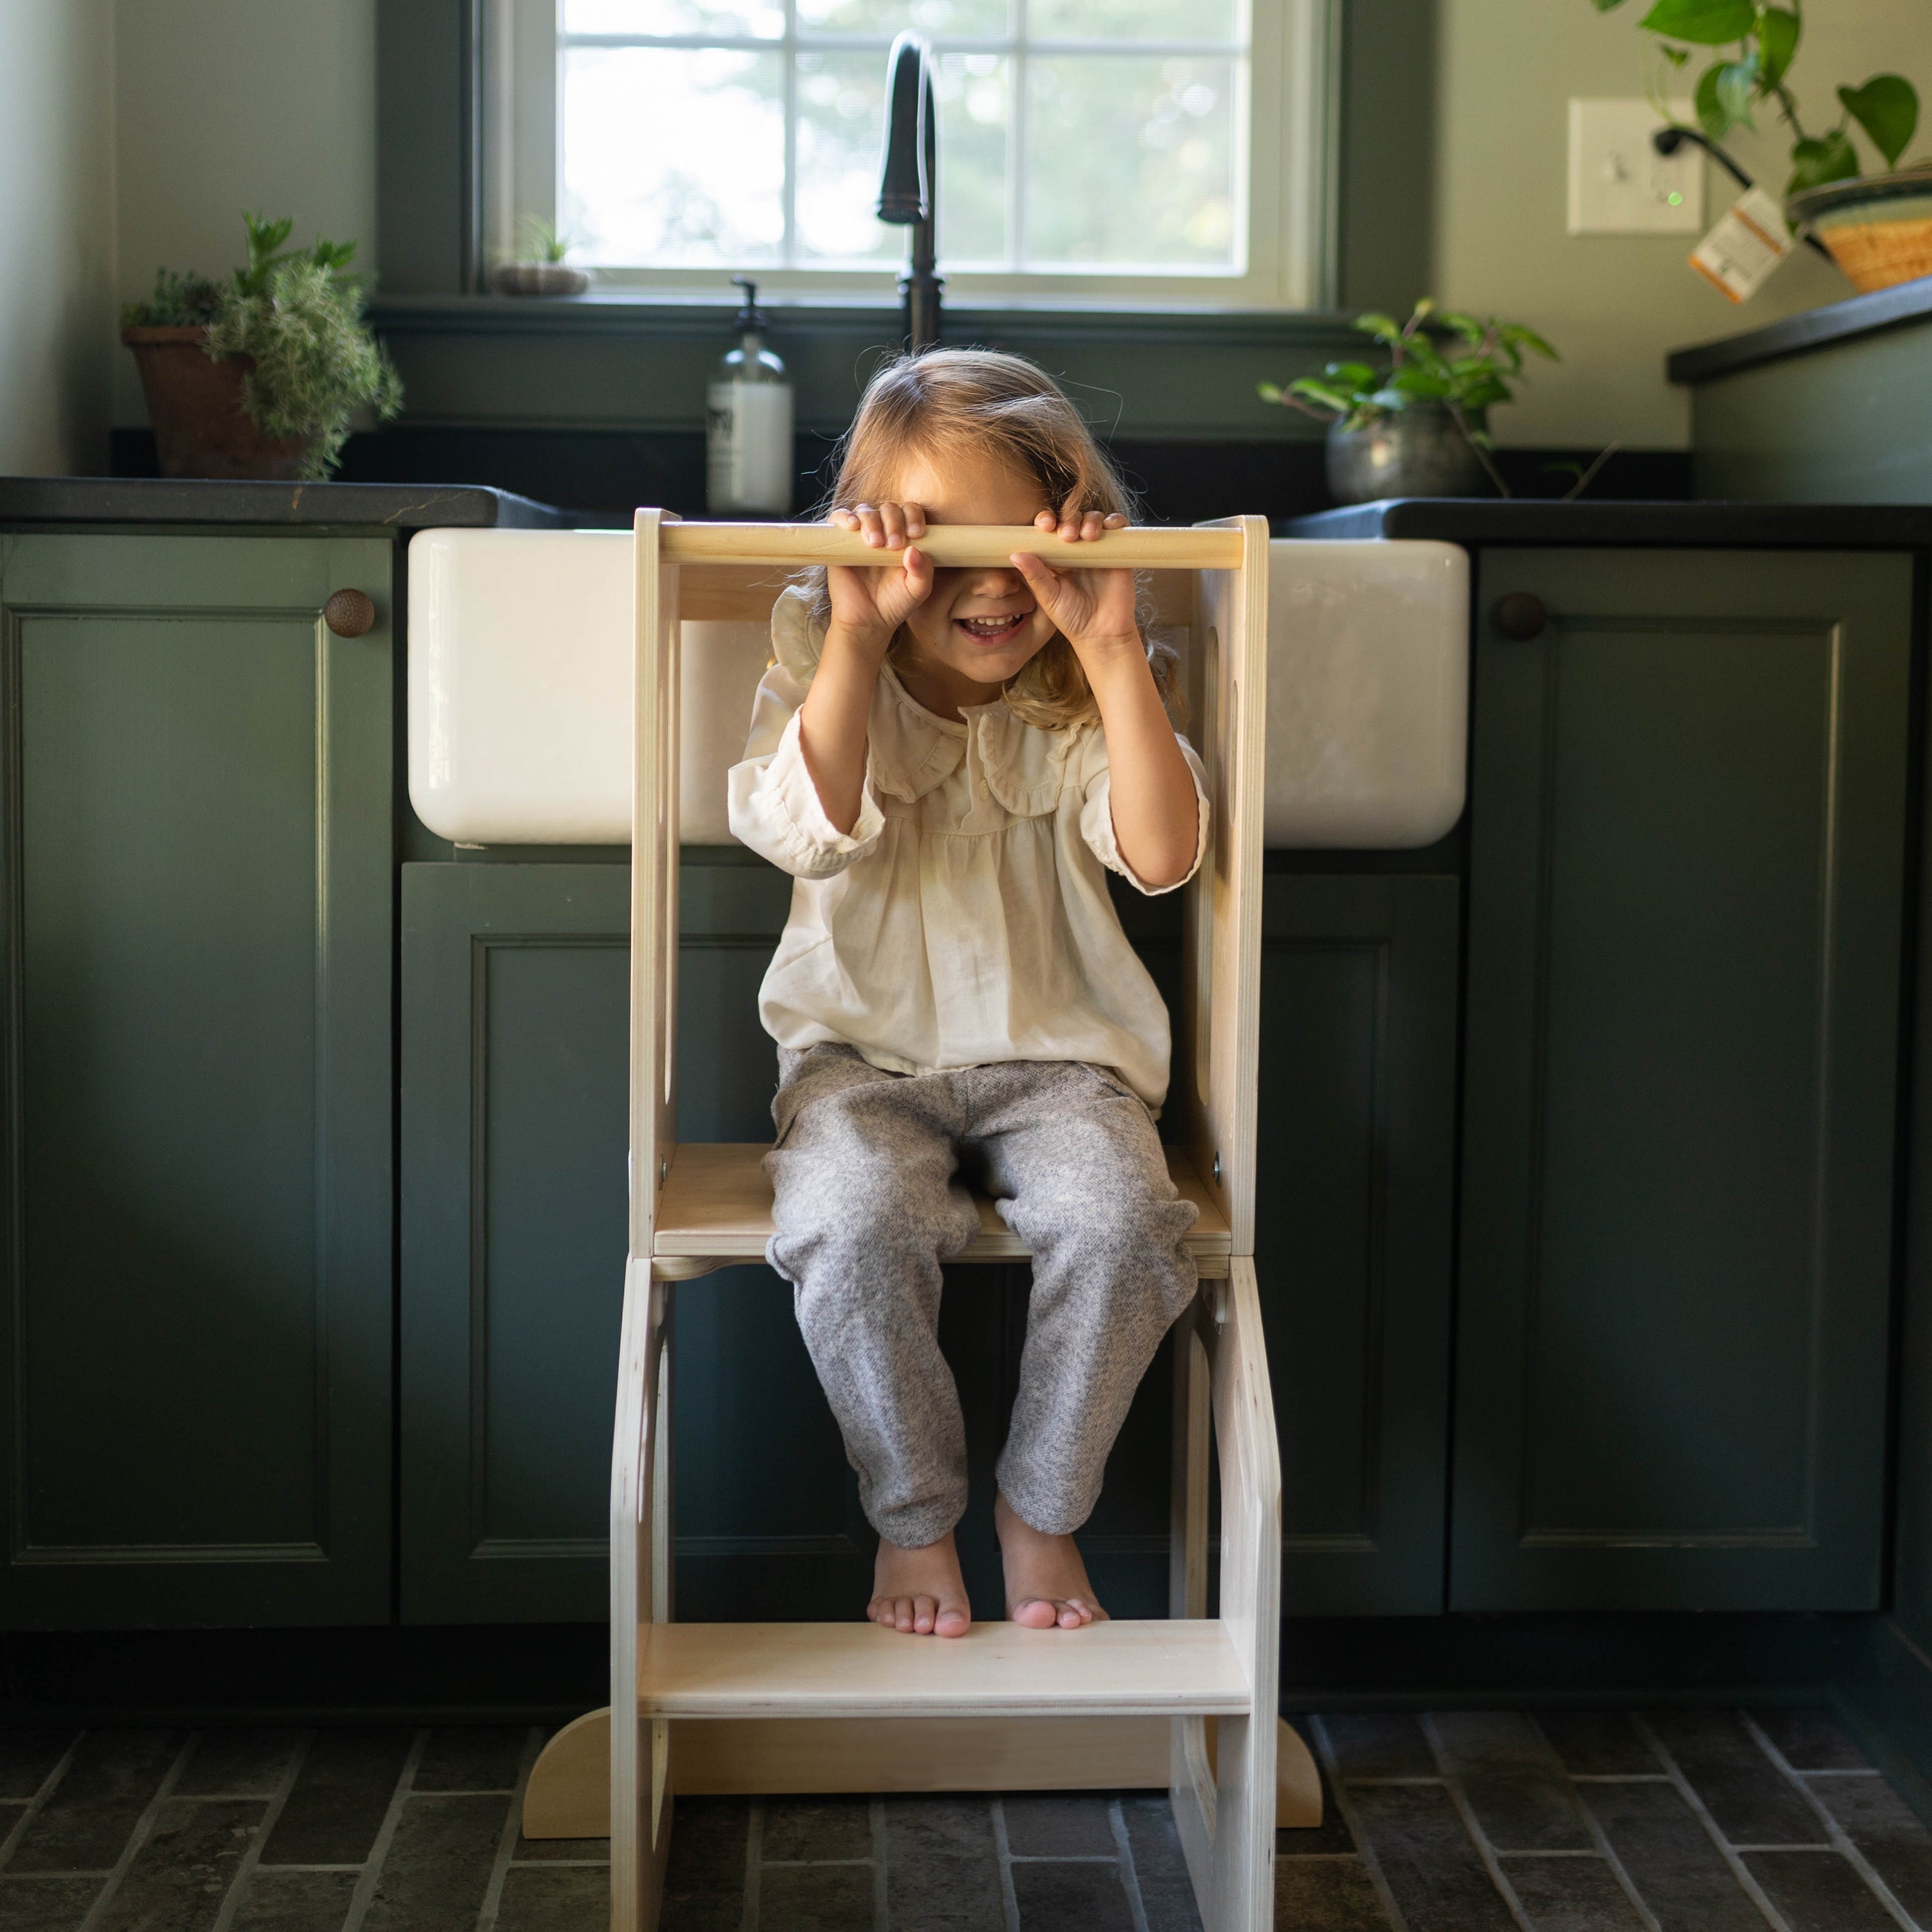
(1353, 1245)
(195, 857)
(1688, 869)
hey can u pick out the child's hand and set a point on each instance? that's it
(1092, 609)
(869, 605)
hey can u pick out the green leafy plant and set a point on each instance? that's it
(299, 316)
(1758, 44)
(540, 240)
(1438, 360)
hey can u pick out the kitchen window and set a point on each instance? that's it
(1118, 151)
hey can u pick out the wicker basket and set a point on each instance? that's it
(1878, 229)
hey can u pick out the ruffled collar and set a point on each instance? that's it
(913, 750)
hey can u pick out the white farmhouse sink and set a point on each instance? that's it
(519, 692)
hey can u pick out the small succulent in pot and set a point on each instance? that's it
(540, 263)
(261, 375)
(1418, 426)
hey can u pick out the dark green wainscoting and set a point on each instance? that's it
(1687, 876)
(514, 1065)
(196, 1266)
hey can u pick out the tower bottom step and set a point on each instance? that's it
(1154, 1668)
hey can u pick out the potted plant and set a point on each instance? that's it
(1878, 228)
(1419, 426)
(541, 264)
(261, 375)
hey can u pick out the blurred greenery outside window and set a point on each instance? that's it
(1123, 152)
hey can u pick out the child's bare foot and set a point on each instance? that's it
(920, 1591)
(1046, 1581)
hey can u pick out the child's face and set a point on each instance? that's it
(980, 625)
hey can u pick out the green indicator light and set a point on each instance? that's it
(1676, 201)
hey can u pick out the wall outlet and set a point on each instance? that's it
(1619, 184)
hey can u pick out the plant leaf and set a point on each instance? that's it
(1676, 56)
(1737, 83)
(1420, 383)
(1270, 392)
(1717, 103)
(1829, 158)
(1515, 333)
(1388, 399)
(1778, 31)
(1358, 375)
(1706, 23)
(1307, 387)
(1383, 328)
(1887, 109)
(1605, 6)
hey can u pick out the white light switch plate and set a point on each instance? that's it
(1619, 184)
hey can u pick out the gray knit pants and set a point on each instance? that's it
(869, 1201)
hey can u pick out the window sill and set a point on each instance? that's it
(674, 312)
(610, 360)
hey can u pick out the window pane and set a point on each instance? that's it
(1129, 163)
(1131, 19)
(724, 19)
(885, 18)
(671, 158)
(975, 93)
(841, 120)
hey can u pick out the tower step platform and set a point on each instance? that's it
(1164, 1668)
(716, 1209)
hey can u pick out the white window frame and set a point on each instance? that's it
(1289, 119)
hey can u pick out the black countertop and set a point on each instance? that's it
(392, 506)
(1884, 309)
(1477, 521)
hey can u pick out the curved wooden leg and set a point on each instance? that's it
(568, 1795)
(1297, 1784)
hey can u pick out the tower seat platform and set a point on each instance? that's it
(715, 1207)
(1158, 1668)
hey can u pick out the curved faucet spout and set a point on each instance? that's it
(909, 180)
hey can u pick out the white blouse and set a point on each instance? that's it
(964, 920)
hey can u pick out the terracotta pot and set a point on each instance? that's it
(195, 404)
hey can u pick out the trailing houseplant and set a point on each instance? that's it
(1419, 425)
(260, 375)
(1749, 49)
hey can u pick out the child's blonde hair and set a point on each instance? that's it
(946, 398)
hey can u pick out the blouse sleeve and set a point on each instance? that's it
(1096, 814)
(774, 804)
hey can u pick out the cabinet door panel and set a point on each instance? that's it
(196, 859)
(1353, 1247)
(1687, 821)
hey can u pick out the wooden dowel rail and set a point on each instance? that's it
(951, 546)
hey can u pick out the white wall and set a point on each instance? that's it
(222, 105)
(56, 217)
(1614, 305)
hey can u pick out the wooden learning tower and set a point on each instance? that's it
(1187, 1702)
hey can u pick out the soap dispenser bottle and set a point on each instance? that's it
(749, 412)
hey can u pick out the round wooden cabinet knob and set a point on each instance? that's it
(350, 613)
(1521, 617)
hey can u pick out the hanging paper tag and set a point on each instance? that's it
(1737, 257)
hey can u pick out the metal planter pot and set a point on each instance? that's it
(1407, 453)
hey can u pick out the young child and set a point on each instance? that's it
(945, 760)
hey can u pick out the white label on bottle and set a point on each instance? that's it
(1750, 239)
(748, 449)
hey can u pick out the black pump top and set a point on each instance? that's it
(751, 317)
